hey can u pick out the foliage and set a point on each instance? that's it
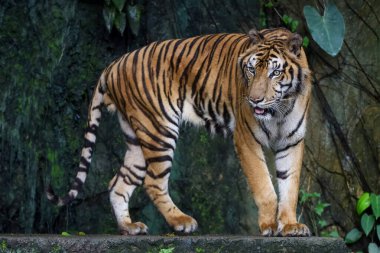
(368, 207)
(167, 250)
(327, 30)
(316, 207)
(117, 12)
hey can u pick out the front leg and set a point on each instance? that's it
(254, 166)
(288, 170)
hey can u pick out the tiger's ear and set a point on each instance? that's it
(295, 43)
(255, 36)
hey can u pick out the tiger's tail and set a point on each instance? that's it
(94, 115)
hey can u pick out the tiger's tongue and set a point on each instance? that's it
(259, 110)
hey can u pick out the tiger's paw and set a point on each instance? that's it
(293, 230)
(268, 229)
(135, 228)
(183, 223)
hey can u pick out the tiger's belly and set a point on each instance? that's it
(216, 120)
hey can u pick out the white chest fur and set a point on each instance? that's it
(278, 132)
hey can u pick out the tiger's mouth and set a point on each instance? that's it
(262, 112)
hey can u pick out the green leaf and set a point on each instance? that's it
(372, 248)
(305, 42)
(308, 196)
(294, 25)
(286, 19)
(378, 231)
(81, 233)
(334, 233)
(119, 4)
(327, 30)
(322, 223)
(367, 222)
(109, 16)
(134, 17)
(269, 5)
(120, 22)
(65, 234)
(320, 207)
(353, 236)
(375, 204)
(363, 203)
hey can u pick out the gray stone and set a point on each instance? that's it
(169, 244)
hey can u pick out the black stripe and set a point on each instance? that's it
(133, 173)
(196, 78)
(161, 175)
(98, 107)
(82, 169)
(131, 182)
(122, 195)
(265, 129)
(252, 134)
(91, 129)
(131, 140)
(88, 143)
(180, 55)
(298, 125)
(282, 174)
(289, 146)
(159, 159)
(226, 115)
(142, 168)
(154, 186)
(281, 157)
(84, 162)
(77, 185)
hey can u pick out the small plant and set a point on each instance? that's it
(199, 250)
(3, 246)
(64, 233)
(166, 250)
(316, 207)
(368, 207)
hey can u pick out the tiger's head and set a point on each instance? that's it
(273, 69)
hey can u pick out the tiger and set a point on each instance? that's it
(254, 87)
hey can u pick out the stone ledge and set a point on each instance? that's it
(158, 244)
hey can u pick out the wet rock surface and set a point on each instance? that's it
(168, 244)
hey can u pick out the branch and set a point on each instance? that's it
(362, 69)
(335, 127)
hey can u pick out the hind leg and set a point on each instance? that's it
(130, 175)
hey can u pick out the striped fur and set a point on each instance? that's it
(255, 87)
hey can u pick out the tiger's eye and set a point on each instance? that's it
(276, 72)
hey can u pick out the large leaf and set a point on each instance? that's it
(120, 22)
(119, 4)
(375, 204)
(363, 203)
(134, 16)
(372, 248)
(353, 236)
(109, 16)
(327, 30)
(378, 231)
(367, 222)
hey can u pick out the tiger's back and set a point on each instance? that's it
(191, 80)
(253, 86)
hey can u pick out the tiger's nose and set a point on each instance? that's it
(256, 100)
